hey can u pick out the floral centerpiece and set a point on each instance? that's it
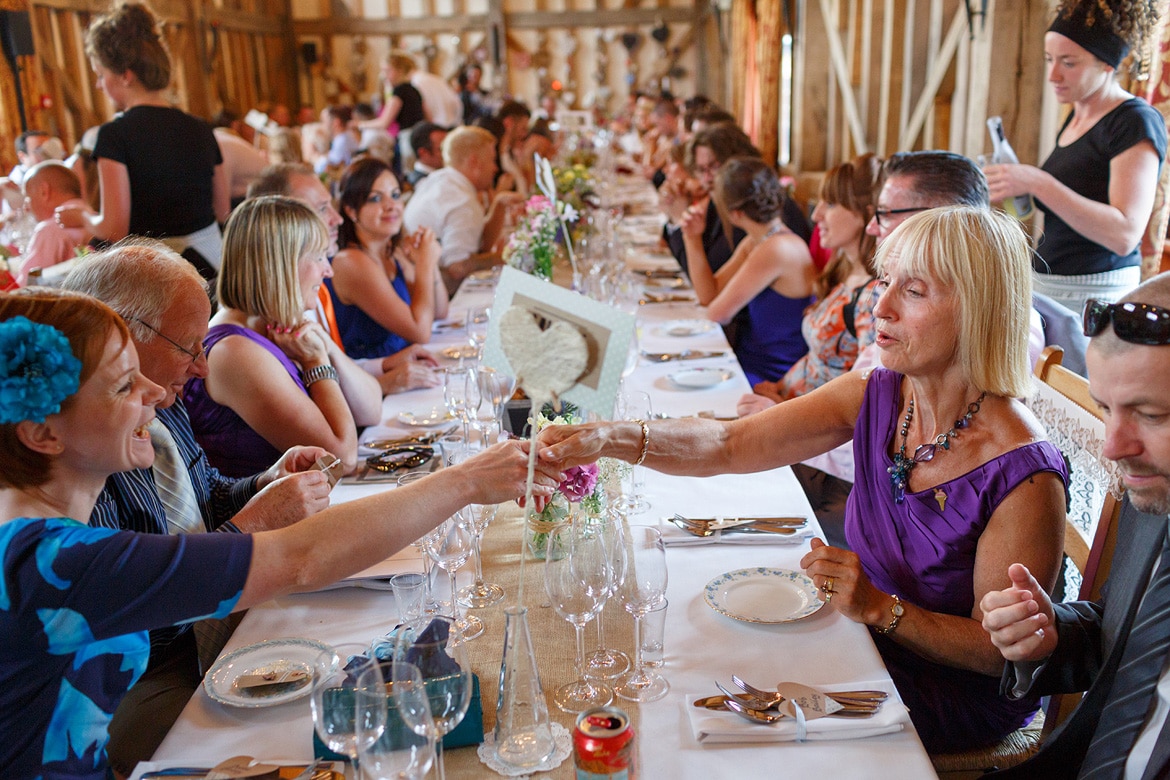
(582, 490)
(545, 223)
(576, 186)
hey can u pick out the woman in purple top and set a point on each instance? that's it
(273, 379)
(954, 481)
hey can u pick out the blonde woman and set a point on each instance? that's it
(274, 380)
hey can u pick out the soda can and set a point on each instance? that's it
(603, 745)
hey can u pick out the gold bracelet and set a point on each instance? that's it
(645, 442)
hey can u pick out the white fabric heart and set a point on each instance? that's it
(546, 362)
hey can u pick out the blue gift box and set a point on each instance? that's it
(468, 732)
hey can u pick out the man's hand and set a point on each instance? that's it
(296, 460)
(285, 501)
(415, 353)
(1020, 619)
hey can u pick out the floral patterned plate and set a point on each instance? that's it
(763, 595)
(273, 655)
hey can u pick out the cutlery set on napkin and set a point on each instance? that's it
(239, 768)
(735, 530)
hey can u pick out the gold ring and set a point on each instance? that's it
(829, 595)
(827, 586)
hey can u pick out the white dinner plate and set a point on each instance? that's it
(685, 327)
(763, 595)
(429, 419)
(700, 378)
(273, 655)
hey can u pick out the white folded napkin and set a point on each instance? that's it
(673, 536)
(716, 727)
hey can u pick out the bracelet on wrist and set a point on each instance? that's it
(645, 442)
(896, 612)
(318, 373)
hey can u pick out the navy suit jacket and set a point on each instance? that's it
(1092, 640)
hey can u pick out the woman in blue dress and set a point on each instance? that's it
(770, 273)
(386, 287)
(76, 602)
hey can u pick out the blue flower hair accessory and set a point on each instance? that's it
(38, 370)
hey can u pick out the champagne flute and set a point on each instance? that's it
(605, 663)
(439, 652)
(456, 383)
(389, 703)
(577, 585)
(449, 546)
(478, 318)
(480, 594)
(335, 676)
(496, 389)
(643, 589)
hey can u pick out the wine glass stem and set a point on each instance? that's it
(601, 630)
(475, 540)
(637, 646)
(454, 601)
(427, 573)
(439, 766)
(580, 630)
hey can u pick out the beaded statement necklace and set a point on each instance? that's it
(900, 471)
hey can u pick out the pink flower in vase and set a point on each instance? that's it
(579, 482)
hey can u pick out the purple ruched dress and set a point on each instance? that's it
(232, 446)
(924, 550)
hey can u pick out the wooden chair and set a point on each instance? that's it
(1074, 424)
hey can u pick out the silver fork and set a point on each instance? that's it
(848, 698)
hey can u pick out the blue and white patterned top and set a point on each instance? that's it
(75, 605)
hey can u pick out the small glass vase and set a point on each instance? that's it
(523, 736)
(540, 525)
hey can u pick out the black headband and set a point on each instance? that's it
(1097, 39)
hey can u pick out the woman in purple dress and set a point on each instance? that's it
(954, 478)
(275, 380)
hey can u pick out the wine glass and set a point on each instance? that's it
(389, 703)
(439, 652)
(450, 546)
(633, 405)
(496, 388)
(335, 676)
(457, 382)
(480, 594)
(478, 318)
(431, 606)
(577, 583)
(644, 588)
(605, 663)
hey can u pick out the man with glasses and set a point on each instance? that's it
(1115, 649)
(165, 304)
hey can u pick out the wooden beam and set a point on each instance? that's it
(241, 21)
(397, 26)
(885, 74)
(934, 78)
(841, 70)
(530, 20)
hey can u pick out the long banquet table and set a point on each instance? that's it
(700, 645)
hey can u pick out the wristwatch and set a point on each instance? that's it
(897, 610)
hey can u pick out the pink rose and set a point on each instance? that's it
(579, 482)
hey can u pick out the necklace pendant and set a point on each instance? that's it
(941, 497)
(925, 453)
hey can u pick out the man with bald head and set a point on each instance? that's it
(164, 302)
(47, 186)
(1117, 649)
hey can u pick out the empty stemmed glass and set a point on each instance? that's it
(605, 663)
(439, 652)
(495, 389)
(643, 589)
(478, 318)
(449, 546)
(633, 405)
(431, 606)
(389, 703)
(577, 582)
(479, 594)
(459, 388)
(335, 676)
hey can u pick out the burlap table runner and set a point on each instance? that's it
(552, 638)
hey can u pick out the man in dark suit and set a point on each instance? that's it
(1115, 649)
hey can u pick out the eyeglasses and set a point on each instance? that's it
(193, 355)
(883, 214)
(1137, 323)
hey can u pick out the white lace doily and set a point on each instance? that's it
(487, 754)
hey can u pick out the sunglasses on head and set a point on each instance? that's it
(1137, 323)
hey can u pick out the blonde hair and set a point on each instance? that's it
(465, 142)
(401, 62)
(264, 243)
(984, 257)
